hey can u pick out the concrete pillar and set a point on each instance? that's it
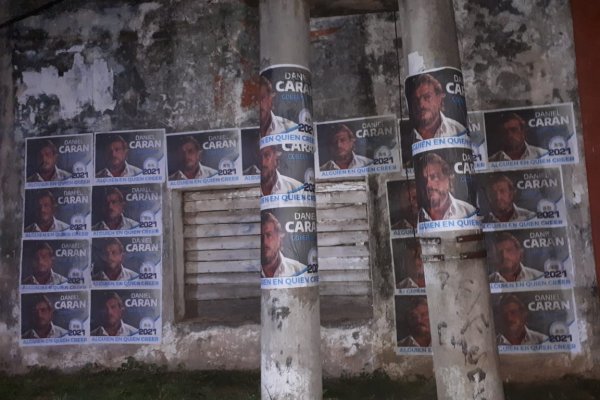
(290, 319)
(463, 339)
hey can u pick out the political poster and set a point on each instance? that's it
(134, 261)
(536, 322)
(413, 331)
(285, 104)
(357, 147)
(54, 161)
(436, 104)
(531, 136)
(54, 318)
(251, 157)
(203, 158)
(477, 133)
(57, 212)
(286, 169)
(127, 210)
(521, 199)
(409, 271)
(444, 176)
(55, 265)
(289, 248)
(529, 259)
(403, 208)
(126, 316)
(130, 157)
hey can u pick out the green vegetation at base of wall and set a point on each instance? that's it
(136, 381)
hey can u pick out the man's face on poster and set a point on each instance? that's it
(514, 134)
(342, 145)
(45, 209)
(508, 257)
(427, 104)
(42, 261)
(266, 103)
(190, 156)
(113, 313)
(113, 206)
(113, 256)
(437, 184)
(418, 320)
(42, 315)
(47, 160)
(269, 161)
(270, 243)
(414, 266)
(116, 154)
(501, 197)
(513, 319)
(408, 200)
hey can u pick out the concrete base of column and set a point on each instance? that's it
(462, 325)
(290, 344)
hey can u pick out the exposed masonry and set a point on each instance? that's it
(185, 65)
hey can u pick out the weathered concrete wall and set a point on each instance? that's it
(518, 53)
(186, 65)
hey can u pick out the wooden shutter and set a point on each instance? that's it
(221, 230)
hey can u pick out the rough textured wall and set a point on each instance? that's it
(183, 65)
(518, 53)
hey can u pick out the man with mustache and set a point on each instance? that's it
(409, 207)
(270, 123)
(272, 182)
(341, 148)
(113, 209)
(426, 104)
(46, 165)
(42, 314)
(513, 327)
(190, 159)
(501, 194)
(413, 266)
(439, 203)
(111, 266)
(514, 147)
(112, 318)
(45, 211)
(274, 263)
(508, 261)
(42, 272)
(115, 158)
(417, 320)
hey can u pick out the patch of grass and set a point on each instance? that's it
(138, 381)
(377, 386)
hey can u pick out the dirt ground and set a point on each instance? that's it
(135, 381)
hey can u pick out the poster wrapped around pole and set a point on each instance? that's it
(287, 179)
(290, 311)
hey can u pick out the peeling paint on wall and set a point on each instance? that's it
(82, 85)
(187, 65)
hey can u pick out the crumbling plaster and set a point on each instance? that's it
(186, 65)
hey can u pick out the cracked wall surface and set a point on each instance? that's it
(185, 65)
